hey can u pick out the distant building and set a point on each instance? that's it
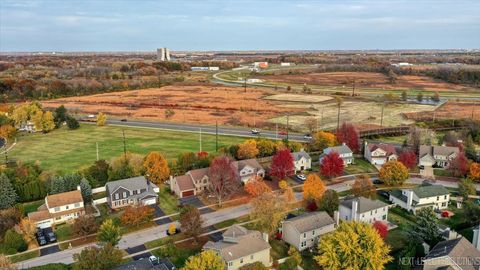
(285, 64)
(363, 209)
(433, 155)
(204, 68)
(163, 54)
(343, 151)
(434, 196)
(380, 153)
(261, 65)
(240, 247)
(58, 208)
(254, 80)
(304, 231)
(455, 254)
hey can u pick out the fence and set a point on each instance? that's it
(98, 190)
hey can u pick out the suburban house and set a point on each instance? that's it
(131, 192)
(434, 196)
(380, 153)
(342, 150)
(363, 209)
(433, 155)
(305, 230)
(58, 208)
(241, 247)
(455, 254)
(196, 181)
(302, 161)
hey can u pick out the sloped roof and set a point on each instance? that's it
(300, 154)
(247, 243)
(460, 250)
(39, 215)
(430, 191)
(364, 204)
(388, 148)
(64, 198)
(310, 221)
(239, 165)
(340, 149)
(185, 182)
(134, 183)
(198, 174)
(437, 150)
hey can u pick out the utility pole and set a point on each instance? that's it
(97, 151)
(200, 139)
(216, 136)
(287, 126)
(124, 146)
(276, 131)
(245, 82)
(381, 118)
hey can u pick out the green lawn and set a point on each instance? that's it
(279, 249)
(66, 150)
(168, 202)
(360, 166)
(25, 256)
(32, 206)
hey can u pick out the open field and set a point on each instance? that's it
(299, 98)
(450, 110)
(192, 104)
(68, 150)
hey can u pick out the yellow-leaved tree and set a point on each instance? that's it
(313, 188)
(156, 167)
(322, 140)
(268, 210)
(207, 260)
(393, 173)
(37, 120)
(48, 123)
(247, 150)
(101, 119)
(354, 245)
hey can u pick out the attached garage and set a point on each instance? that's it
(188, 193)
(44, 224)
(149, 201)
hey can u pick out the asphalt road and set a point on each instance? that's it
(208, 129)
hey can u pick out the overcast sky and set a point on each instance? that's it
(141, 25)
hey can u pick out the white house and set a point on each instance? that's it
(302, 161)
(379, 153)
(430, 155)
(363, 209)
(305, 230)
(240, 247)
(58, 208)
(343, 151)
(434, 196)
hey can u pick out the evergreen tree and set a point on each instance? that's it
(86, 190)
(60, 115)
(426, 227)
(8, 195)
(72, 123)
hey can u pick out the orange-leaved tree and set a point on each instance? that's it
(393, 173)
(247, 150)
(474, 171)
(134, 216)
(313, 188)
(363, 186)
(156, 167)
(255, 187)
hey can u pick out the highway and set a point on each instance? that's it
(208, 129)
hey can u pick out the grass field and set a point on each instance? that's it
(66, 150)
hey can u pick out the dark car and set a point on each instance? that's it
(40, 233)
(51, 237)
(383, 193)
(41, 240)
(123, 120)
(377, 182)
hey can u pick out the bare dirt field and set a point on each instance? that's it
(449, 110)
(366, 80)
(192, 104)
(298, 98)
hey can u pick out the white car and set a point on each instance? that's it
(154, 260)
(255, 131)
(301, 177)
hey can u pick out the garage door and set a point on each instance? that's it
(149, 201)
(44, 224)
(187, 193)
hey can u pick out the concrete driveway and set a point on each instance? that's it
(49, 250)
(136, 249)
(195, 201)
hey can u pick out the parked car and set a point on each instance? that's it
(39, 233)
(283, 132)
(377, 182)
(123, 120)
(255, 131)
(41, 240)
(154, 260)
(51, 237)
(384, 193)
(301, 177)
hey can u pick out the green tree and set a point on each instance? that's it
(466, 187)
(13, 242)
(354, 245)
(426, 227)
(86, 190)
(419, 97)
(97, 258)
(60, 115)
(329, 202)
(109, 233)
(404, 95)
(294, 259)
(98, 173)
(8, 195)
(72, 123)
(254, 266)
(207, 260)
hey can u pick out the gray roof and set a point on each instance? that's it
(459, 250)
(433, 150)
(134, 183)
(340, 149)
(145, 264)
(299, 155)
(430, 191)
(310, 221)
(364, 204)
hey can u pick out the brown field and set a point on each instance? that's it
(449, 110)
(192, 104)
(366, 80)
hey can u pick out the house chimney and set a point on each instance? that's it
(265, 237)
(476, 237)
(79, 188)
(336, 217)
(343, 143)
(354, 209)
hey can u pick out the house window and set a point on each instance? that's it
(313, 232)
(384, 217)
(251, 257)
(445, 197)
(230, 263)
(117, 196)
(241, 260)
(363, 215)
(305, 235)
(438, 198)
(303, 244)
(134, 192)
(444, 204)
(57, 209)
(66, 207)
(77, 205)
(124, 194)
(58, 218)
(375, 211)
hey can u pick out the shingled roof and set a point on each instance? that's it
(426, 191)
(310, 221)
(388, 148)
(364, 204)
(460, 250)
(64, 198)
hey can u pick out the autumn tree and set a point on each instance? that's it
(8, 195)
(28, 229)
(474, 171)
(466, 187)
(156, 167)
(282, 184)
(323, 139)
(408, 158)
(247, 150)
(84, 226)
(294, 258)
(459, 165)
(393, 173)
(48, 123)
(7, 131)
(382, 228)
(353, 245)
(101, 119)
(97, 258)
(268, 210)
(191, 221)
(265, 147)
(223, 178)
(134, 216)
(206, 260)
(332, 165)
(6, 263)
(257, 187)
(313, 188)
(282, 164)
(109, 233)
(329, 202)
(348, 134)
(426, 226)
(37, 120)
(363, 186)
